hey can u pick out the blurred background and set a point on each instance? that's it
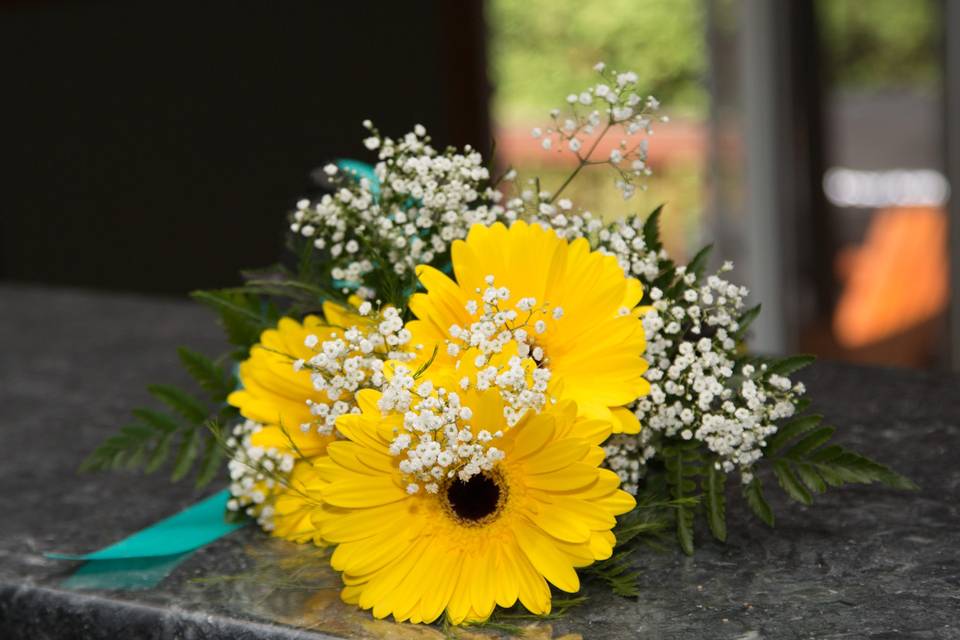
(157, 148)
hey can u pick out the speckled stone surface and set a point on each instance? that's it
(864, 562)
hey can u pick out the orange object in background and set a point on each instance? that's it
(897, 280)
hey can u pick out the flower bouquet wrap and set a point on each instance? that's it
(477, 394)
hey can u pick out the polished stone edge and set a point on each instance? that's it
(40, 613)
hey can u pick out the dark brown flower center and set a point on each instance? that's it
(476, 499)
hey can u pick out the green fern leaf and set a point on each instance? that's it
(160, 453)
(682, 465)
(790, 430)
(744, 322)
(790, 483)
(619, 575)
(792, 364)
(716, 502)
(699, 262)
(186, 453)
(184, 404)
(810, 477)
(651, 230)
(159, 421)
(753, 493)
(210, 376)
(210, 461)
(814, 439)
(855, 468)
(805, 462)
(241, 315)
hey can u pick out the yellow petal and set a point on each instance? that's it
(369, 493)
(545, 557)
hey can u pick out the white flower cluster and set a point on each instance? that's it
(437, 440)
(349, 361)
(422, 201)
(490, 334)
(254, 473)
(696, 391)
(615, 103)
(561, 218)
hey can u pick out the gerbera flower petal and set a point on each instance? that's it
(557, 455)
(465, 546)
(370, 493)
(592, 345)
(546, 558)
(275, 394)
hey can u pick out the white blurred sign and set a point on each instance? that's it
(880, 189)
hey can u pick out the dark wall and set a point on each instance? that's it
(158, 146)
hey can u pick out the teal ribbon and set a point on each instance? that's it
(127, 574)
(146, 557)
(361, 170)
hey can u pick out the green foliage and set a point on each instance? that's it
(508, 620)
(543, 49)
(426, 365)
(667, 279)
(806, 463)
(744, 322)
(714, 489)
(651, 230)
(647, 524)
(881, 43)
(684, 463)
(699, 262)
(619, 574)
(312, 265)
(243, 315)
(301, 290)
(753, 494)
(790, 430)
(191, 430)
(801, 456)
(212, 378)
(790, 364)
(187, 406)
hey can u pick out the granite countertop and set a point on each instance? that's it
(863, 562)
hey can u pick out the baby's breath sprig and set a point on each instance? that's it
(439, 439)
(615, 104)
(351, 360)
(407, 212)
(255, 474)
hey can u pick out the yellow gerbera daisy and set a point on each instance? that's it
(275, 394)
(589, 340)
(498, 537)
(292, 506)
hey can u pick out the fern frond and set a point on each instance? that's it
(805, 462)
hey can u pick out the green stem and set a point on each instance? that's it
(584, 161)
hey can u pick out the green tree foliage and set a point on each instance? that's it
(872, 44)
(540, 49)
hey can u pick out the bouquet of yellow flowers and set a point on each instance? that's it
(473, 390)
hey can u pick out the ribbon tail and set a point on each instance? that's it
(192, 528)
